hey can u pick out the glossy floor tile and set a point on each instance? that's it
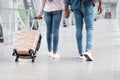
(106, 54)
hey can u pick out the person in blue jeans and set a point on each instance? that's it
(83, 11)
(52, 10)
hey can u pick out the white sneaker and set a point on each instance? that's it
(82, 58)
(56, 56)
(88, 56)
(50, 54)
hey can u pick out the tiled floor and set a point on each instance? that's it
(106, 53)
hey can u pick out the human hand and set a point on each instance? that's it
(67, 14)
(38, 17)
(67, 11)
(99, 9)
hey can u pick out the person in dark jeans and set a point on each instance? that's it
(83, 9)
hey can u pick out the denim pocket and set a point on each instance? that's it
(88, 8)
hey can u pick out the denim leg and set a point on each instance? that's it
(48, 20)
(56, 24)
(79, 27)
(89, 18)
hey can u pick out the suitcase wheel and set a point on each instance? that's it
(33, 60)
(13, 54)
(16, 60)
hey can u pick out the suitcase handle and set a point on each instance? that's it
(36, 17)
(41, 29)
(39, 24)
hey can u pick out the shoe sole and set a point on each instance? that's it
(88, 58)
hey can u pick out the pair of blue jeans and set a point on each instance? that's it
(52, 20)
(84, 13)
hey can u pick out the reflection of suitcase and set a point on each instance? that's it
(26, 45)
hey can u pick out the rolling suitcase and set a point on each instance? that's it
(27, 44)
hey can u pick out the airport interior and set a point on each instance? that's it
(17, 15)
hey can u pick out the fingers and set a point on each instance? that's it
(38, 17)
(99, 10)
(67, 14)
(67, 11)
